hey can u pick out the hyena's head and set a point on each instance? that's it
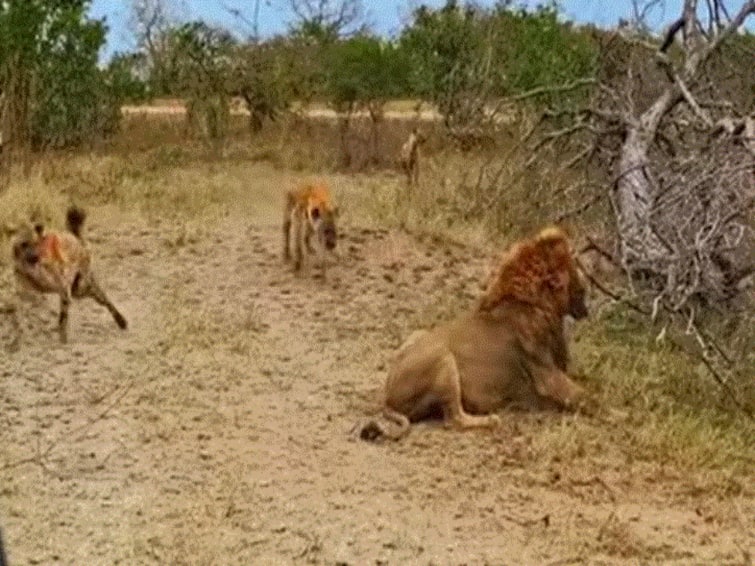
(25, 245)
(322, 217)
(418, 136)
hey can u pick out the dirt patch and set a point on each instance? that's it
(216, 429)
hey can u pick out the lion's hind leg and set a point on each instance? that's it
(409, 342)
(448, 389)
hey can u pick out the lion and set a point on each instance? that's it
(510, 351)
(59, 262)
(309, 211)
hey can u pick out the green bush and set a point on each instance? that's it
(48, 71)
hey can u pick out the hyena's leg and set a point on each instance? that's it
(308, 241)
(88, 287)
(65, 303)
(298, 251)
(322, 253)
(287, 235)
(11, 310)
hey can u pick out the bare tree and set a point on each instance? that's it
(333, 18)
(250, 24)
(645, 220)
(151, 21)
(641, 10)
(674, 118)
(675, 134)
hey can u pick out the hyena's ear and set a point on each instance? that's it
(9, 230)
(314, 213)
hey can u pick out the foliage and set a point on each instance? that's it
(465, 57)
(203, 62)
(265, 76)
(448, 53)
(124, 78)
(365, 72)
(55, 93)
(536, 50)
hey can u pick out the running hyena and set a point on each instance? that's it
(59, 262)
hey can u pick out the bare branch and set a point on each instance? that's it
(670, 34)
(698, 111)
(339, 16)
(566, 87)
(748, 8)
(640, 12)
(599, 196)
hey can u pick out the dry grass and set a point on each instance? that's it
(207, 327)
(666, 410)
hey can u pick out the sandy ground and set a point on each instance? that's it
(216, 429)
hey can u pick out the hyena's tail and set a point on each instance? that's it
(75, 217)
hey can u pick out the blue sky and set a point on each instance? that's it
(387, 16)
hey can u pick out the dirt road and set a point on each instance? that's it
(216, 429)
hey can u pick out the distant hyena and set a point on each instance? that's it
(410, 155)
(309, 212)
(59, 262)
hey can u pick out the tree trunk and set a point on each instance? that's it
(635, 192)
(376, 117)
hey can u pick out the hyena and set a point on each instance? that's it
(59, 262)
(410, 155)
(309, 212)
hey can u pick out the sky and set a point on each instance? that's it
(386, 16)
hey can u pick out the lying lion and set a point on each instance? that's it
(511, 351)
(59, 262)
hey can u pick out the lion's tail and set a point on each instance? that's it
(373, 429)
(75, 217)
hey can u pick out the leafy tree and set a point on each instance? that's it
(265, 76)
(125, 77)
(536, 50)
(451, 59)
(466, 58)
(53, 90)
(202, 57)
(364, 72)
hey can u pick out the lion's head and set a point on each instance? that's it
(542, 272)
